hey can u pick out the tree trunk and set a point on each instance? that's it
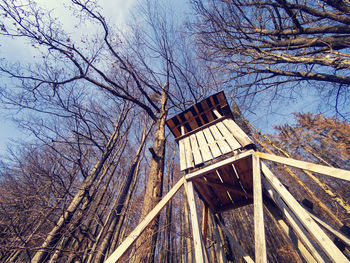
(55, 234)
(146, 243)
(106, 233)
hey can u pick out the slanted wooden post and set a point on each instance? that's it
(297, 227)
(321, 169)
(323, 240)
(275, 212)
(200, 253)
(259, 228)
(145, 222)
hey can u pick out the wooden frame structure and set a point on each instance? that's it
(207, 132)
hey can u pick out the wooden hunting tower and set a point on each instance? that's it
(221, 164)
(206, 134)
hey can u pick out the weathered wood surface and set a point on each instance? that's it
(259, 226)
(322, 239)
(206, 144)
(234, 144)
(223, 145)
(195, 150)
(212, 143)
(200, 253)
(215, 166)
(275, 212)
(238, 133)
(188, 153)
(114, 257)
(330, 171)
(295, 224)
(329, 227)
(183, 164)
(199, 114)
(204, 148)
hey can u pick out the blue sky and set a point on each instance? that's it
(118, 12)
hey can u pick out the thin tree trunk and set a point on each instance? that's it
(146, 243)
(106, 233)
(55, 234)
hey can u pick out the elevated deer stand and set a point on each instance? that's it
(222, 166)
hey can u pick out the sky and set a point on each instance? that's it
(118, 12)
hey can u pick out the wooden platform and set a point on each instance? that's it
(207, 131)
(227, 184)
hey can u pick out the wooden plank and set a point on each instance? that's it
(199, 250)
(199, 114)
(259, 226)
(234, 144)
(223, 145)
(330, 171)
(235, 243)
(200, 128)
(295, 223)
(203, 146)
(195, 150)
(275, 212)
(183, 165)
(191, 120)
(225, 187)
(329, 227)
(236, 204)
(221, 98)
(245, 173)
(217, 114)
(212, 143)
(215, 166)
(114, 257)
(209, 197)
(188, 153)
(237, 132)
(323, 240)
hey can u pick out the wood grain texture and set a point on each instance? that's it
(334, 254)
(330, 171)
(114, 257)
(259, 226)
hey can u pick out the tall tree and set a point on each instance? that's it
(278, 47)
(150, 67)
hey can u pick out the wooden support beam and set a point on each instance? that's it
(295, 224)
(215, 166)
(235, 243)
(329, 227)
(259, 227)
(275, 212)
(323, 240)
(321, 169)
(114, 257)
(200, 253)
(225, 187)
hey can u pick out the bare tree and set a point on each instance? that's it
(279, 47)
